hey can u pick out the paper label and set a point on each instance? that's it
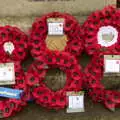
(76, 102)
(107, 36)
(10, 93)
(7, 74)
(112, 63)
(55, 26)
(9, 47)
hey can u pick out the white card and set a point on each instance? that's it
(112, 66)
(76, 103)
(7, 74)
(55, 26)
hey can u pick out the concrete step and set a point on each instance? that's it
(25, 23)
(39, 7)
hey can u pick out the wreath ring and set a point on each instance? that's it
(72, 30)
(100, 25)
(9, 106)
(37, 72)
(92, 81)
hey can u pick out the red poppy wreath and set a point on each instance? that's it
(13, 43)
(101, 31)
(37, 72)
(9, 106)
(71, 28)
(94, 73)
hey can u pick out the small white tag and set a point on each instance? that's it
(76, 102)
(112, 63)
(7, 74)
(107, 36)
(55, 26)
(112, 66)
(9, 47)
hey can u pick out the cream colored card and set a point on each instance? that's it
(112, 63)
(7, 74)
(76, 102)
(55, 26)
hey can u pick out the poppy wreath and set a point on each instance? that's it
(13, 43)
(9, 106)
(43, 95)
(72, 30)
(94, 73)
(107, 21)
